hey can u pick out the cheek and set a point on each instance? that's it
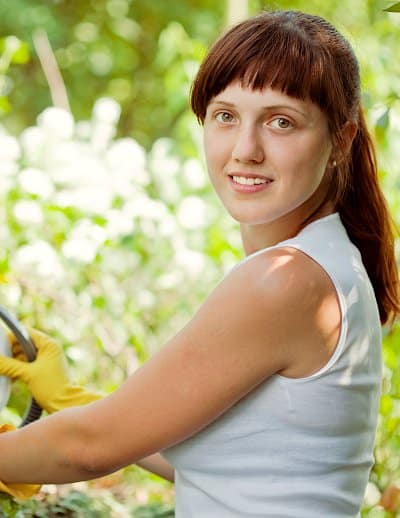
(215, 152)
(312, 158)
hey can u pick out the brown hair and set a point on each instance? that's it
(305, 57)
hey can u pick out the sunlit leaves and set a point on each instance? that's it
(395, 8)
(12, 50)
(106, 243)
(382, 125)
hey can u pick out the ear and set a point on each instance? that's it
(347, 134)
(343, 143)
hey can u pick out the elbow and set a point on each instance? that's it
(88, 464)
(90, 460)
(86, 452)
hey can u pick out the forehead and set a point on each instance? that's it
(245, 97)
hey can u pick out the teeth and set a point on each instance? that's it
(249, 181)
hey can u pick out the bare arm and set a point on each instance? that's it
(158, 465)
(238, 338)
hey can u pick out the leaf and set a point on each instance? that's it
(382, 125)
(383, 121)
(5, 106)
(395, 8)
(21, 55)
(386, 405)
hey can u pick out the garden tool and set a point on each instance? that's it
(34, 411)
(47, 377)
(18, 330)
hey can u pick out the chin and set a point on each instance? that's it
(250, 219)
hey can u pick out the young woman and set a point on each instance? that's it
(266, 403)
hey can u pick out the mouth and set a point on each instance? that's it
(248, 182)
(249, 179)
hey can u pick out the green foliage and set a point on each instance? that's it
(395, 8)
(78, 504)
(110, 243)
(12, 51)
(140, 53)
(106, 246)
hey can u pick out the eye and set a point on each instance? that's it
(281, 123)
(224, 117)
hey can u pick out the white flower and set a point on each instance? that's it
(165, 167)
(128, 159)
(126, 150)
(8, 170)
(102, 134)
(57, 123)
(372, 495)
(145, 299)
(32, 141)
(36, 182)
(81, 249)
(10, 150)
(28, 212)
(194, 174)
(192, 262)
(13, 294)
(193, 213)
(63, 153)
(146, 208)
(40, 258)
(118, 223)
(82, 169)
(165, 172)
(106, 110)
(94, 200)
(84, 242)
(169, 280)
(83, 129)
(168, 226)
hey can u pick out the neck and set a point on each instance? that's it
(259, 236)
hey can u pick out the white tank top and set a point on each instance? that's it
(300, 447)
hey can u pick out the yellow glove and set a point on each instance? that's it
(47, 376)
(22, 491)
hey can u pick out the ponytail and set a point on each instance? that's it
(322, 67)
(365, 215)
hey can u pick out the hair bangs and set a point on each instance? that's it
(279, 56)
(288, 65)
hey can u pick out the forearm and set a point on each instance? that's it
(47, 451)
(157, 465)
(41, 455)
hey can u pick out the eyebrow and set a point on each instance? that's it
(264, 108)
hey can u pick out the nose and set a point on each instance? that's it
(248, 146)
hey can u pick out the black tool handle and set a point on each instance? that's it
(21, 334)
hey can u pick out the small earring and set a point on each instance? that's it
(334, 163)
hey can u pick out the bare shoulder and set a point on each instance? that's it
(269, 315)
(281, 278)
(307, 306)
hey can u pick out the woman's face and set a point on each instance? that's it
(266, 152)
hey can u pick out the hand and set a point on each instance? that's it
(22, 491)
(46, 377)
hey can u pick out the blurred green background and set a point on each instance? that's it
(111, 236)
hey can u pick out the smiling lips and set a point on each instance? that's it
(249, 182)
